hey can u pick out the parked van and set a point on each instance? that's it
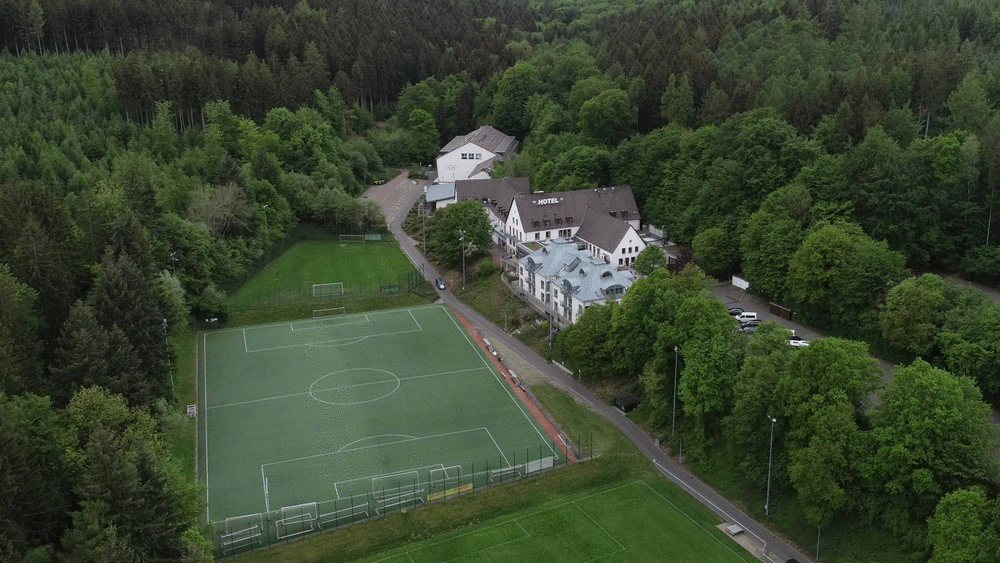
(746, 316)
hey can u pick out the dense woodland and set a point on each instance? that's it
(839, 153)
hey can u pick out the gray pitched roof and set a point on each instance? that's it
(486, 137)
(567, 209)
(602, 230)
(497, 193)
(577, 272)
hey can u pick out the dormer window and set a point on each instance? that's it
(613, 214)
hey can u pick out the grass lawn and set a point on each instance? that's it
(290, 277)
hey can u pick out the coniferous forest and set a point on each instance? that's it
(843, 155)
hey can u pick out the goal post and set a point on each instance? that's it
(328, 289)
(333, 311)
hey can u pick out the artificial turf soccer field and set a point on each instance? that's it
(364, 413)
(630, 522)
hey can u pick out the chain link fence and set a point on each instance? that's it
(388, 494)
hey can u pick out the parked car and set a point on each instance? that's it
(748, 324)
(735, 311)
(439, 283)
(379, 182)
(797, 341)
(749, 329)
(746, 316)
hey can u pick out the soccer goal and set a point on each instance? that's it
(396, 491)
(242, 532)
(352, 238)
(333, 311)
(296, 520)
(328, 289)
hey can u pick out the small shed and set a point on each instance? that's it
(626, 402)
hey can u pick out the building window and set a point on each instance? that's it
(548, 234)
(623, 252)
(479, 156)
(619, 261)
(538, 235)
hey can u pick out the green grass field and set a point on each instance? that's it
(290, 277)
(630, 522)
(316, 423)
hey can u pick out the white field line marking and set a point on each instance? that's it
(341, 387)
(587, 514)
(283, 323)
(673, 476)
(246, 347)
(407, 436)
(503, 385)
(414, 320)
(688, 516)
(374, 446)
(292, 325)
(518, 519)
(356, 338)
(467, 553)
(507, 463)
(204, 374)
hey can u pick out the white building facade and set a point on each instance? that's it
(470, 156)
(564, 280)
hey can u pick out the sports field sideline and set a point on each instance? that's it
(372, 411)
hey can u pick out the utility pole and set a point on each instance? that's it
(673, 417)
(265, 219)
(770, 453)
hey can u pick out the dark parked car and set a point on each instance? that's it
(439, 283)
(734, 311)
(749, 324)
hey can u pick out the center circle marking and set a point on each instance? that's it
(380, 397)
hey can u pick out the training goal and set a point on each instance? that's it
(333, 311)
(328, 289)
(295, 520)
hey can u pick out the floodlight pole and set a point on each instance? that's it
(462, 238)
(173, 260)
(770, 454)
(265, 219)
(673, 417)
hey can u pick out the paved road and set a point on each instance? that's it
(406, 194)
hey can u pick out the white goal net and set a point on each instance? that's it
(328, 289)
